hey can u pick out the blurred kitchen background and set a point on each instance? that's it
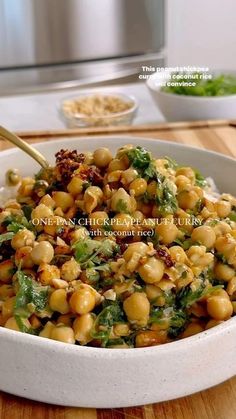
(52, 49)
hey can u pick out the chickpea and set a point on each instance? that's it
(225, 245)
(82, 327)
(82, 301)
(114, 176)
(46, 273)
(13, 177)
(8, 307)
(70, 270)
(23, 257)
(152, 188)
(137, 308)
(138, 247)
(66, 319)
(192, 329)
(184, 221)
(22, 238)
(223, 208)
(63, 334)
(48, 201)
(167, 232)
(182, 182)
(92, 198)
(121, 329)
(116, 164)
(79, 234)
(152, 271)
(6, 291)
(219, 308)
(231, 286)
(204, 235)
(150, 338)
(75, 187)
(102, 157)
(177, 253)
(155, 294)
(123, 223)
(128, 176)
(12, 324)
(54, 224)
(224, 272)
(138, 186)
(121, 201)
(43, 252)
(213, 323)
(187, 172)
(46, 332)
(6, 271)
(58, 301)
(99, 220)
(138, 216)
(26, 187)
(187, 199)
(221, 228)
(63, 200)
(41, 212)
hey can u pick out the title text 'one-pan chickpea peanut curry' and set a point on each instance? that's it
(116, 252)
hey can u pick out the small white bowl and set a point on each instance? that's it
(189, 108)
(113, 119)
(72, 375)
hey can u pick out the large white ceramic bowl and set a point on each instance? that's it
(63, 374)
(189, 108)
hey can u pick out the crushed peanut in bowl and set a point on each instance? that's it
(99, 110)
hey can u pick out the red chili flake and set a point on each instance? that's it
(66, 163)
(123, 247)
(94, 175)
(164, 255)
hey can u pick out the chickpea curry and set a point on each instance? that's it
(116, 252)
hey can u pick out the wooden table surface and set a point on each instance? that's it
(216, 403)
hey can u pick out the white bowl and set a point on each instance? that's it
(189, 108)
(70, 375)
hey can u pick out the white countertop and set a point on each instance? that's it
(40, 111)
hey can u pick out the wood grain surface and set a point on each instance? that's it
(216, 403)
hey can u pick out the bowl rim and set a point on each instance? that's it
(81, 116)
(89, 351)
(221, 329)
(184, 97)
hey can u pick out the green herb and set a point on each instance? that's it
(6, 236)
(172, 164)
(121, 206)
(16, 223)
(27, 210)
(23, 328)
(221, 258)
(178, 323)
(110, 315)
(232, 216)
(186, 297)
(185, 244)
(200, 180)
(139, 158)
(91, 252)
(156, 315)
(166, 200)
(114, 342)
(222, 85)
(31, 297)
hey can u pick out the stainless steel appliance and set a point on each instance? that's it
(82, 38)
